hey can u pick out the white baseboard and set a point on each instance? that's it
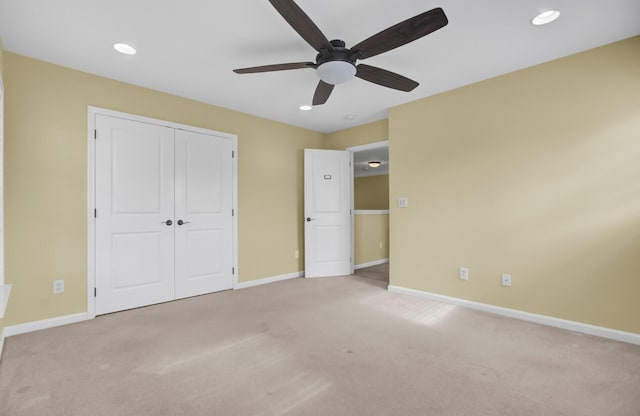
(371, 263)
(267, 280)
(44, 324)
(599, 331)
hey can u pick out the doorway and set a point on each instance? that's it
(371, 210)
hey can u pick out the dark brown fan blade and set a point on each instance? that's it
(385, 78)
(302, 24)
(276, 67)
(402, 33)
(323, 91)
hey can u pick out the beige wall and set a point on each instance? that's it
(534, 173)
(46, 154)
(372, 238)
(371, 192)
(378, 131)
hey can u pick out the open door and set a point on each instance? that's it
(328, 203)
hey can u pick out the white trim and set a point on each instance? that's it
(10, 331)
(267, 280)
(352, 254)
(353, 149)
(157, 122)
(2, 176)
(368, 146)
(372, 263)
(371, 212)
(91, 205)
(234, 225)
(1, 342)
(92, 112)
(370, 174)
(599, 331)
(5, 291)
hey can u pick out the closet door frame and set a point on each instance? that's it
(92, 112)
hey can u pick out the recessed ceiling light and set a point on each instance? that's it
(374, 164)
(125, 48)
(545, 17)
(305, 107)
(350, 117)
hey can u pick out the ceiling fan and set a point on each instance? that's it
(336, 64)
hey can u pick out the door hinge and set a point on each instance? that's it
(95, 292)
(233, 154)
(95, 213)
(95, 134)
(233, 270)
(233, 212)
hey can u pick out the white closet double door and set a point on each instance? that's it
(164, 226)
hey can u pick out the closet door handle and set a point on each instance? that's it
(180, 222)
(167, 222)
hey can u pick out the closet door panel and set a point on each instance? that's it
(135, 211)
(204, 191)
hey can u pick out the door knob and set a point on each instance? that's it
(167, 222)
(309, 219)
(180, 222)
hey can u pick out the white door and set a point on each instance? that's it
(164, 224)
(328, 181)
(135, 214)
(204, 255)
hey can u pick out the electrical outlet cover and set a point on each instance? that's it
(58, 286)
(506, 280)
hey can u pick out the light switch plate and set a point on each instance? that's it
(58, 286)
(403, 202)
(463, 273)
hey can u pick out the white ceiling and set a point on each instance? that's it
(189, 47)
(361, 159)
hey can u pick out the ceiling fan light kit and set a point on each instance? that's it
(336, 64)
(336, 72)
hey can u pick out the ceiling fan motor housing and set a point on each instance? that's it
(337, 65)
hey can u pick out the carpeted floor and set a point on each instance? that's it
(326, 346)
(380, 272)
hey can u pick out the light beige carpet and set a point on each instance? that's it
(327, 346)
(380, 272)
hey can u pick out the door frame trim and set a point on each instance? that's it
(353, 149)
(92, 112)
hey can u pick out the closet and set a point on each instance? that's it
(164, 207)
